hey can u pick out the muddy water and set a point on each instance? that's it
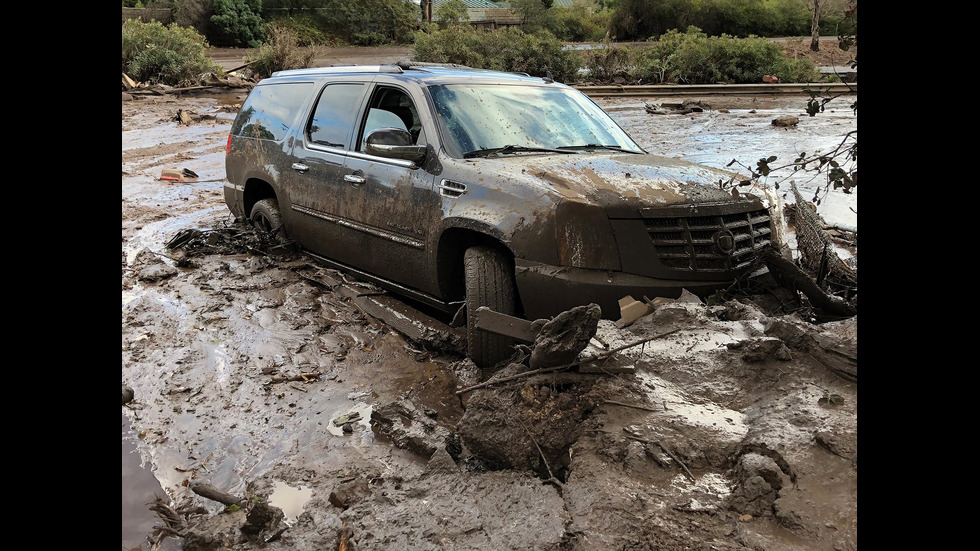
(139, 486)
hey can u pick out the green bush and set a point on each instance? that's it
(579, 23)
(695, 58)
(506, 49)
(360, 23)
(609, 61)
(172, 55)
(238, 23)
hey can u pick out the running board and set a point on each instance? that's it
(388, 285)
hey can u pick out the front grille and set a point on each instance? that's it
(699, 243)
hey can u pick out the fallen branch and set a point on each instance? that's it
(595, 358)
(664, 448)
(801, 281)
(302, 378)
(615, 403)
(214, 494)
(551, 476)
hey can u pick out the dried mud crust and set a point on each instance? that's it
(734, 430)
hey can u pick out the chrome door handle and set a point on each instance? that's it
(354, 179)
(300, 167)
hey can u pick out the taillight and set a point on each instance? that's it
(228, 145)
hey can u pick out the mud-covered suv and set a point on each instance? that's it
(463, 188)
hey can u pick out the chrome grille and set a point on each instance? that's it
(698, 243)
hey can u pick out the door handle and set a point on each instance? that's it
(300, 167)
(354, 179)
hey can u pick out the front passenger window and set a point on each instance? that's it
(392, 108)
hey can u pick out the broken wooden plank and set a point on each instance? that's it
(508, 326)
(608, 369)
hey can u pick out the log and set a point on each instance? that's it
(210, 492)
(801, 281)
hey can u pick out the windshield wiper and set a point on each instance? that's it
(597, 146)
(510, 149)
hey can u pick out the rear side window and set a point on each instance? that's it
(333, 117)
(269, 110)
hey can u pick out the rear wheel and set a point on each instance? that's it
(489, 282)
(266, 218)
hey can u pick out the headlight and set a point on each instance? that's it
(585, 238)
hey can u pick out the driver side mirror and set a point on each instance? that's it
(393, 143)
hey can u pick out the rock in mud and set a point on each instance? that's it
(410, 428)
(127, 395)
(348, 493)
(562, 338)
(441, 463)
(786, 121)
(215, 532)
(262, 518)
(758, 481)
(506, 427)
(761, 349)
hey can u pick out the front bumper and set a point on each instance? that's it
(547, 290)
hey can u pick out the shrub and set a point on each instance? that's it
(695, 58)
(280, 52)
(609, 61)
(238, 23)
(579, 23)
(452, 12)
(172, 55)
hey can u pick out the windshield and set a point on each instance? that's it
(480, 117)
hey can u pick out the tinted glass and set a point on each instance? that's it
(334, 115)
(486, 116)
(269, 110)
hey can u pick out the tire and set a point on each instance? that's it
(489, 280)
(266, 218)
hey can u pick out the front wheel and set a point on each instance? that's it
(489, 282)
(265, 217)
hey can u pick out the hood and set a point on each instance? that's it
(623, 183)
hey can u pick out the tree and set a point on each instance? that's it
(238, 23)
(452, 12)
(815, 27)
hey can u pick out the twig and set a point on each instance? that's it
(594, 358)
(602, 342)
(661, 446)
(551, 476)
(301, 378)
(629, 405)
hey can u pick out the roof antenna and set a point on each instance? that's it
(548, 78)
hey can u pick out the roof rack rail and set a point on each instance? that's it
(412, 64)
(340, 69)
(424, 65)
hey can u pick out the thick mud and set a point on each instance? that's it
(724, 426)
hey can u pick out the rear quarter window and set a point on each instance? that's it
(269, 110)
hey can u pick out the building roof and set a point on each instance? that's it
(470, 3)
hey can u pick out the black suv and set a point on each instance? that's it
(463, 188)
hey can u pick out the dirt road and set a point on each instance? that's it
(254, 378)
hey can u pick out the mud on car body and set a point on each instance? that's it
(464, 188)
